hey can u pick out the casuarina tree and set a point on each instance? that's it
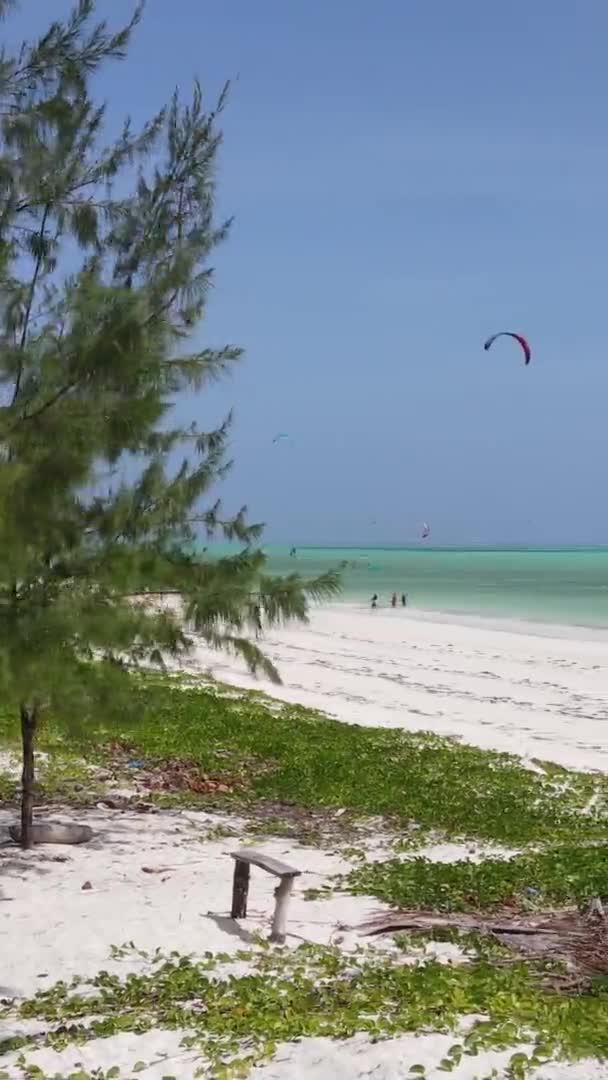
(105, 270)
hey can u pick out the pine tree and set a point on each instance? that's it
(104, 277)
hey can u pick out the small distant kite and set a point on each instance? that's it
(281, 437)
(518, 337)
(426, 531)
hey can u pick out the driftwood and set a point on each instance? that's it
(243, 861)
(53, 833)
(278, 930)
(576, 940)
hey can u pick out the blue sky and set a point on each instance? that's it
(406, 178)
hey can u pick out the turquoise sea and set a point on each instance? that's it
(567, 586)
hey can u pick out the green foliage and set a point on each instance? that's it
(105, 270)
(318, 762)
(563, 875)
(290, 755)
(316, 991)
(421, 783)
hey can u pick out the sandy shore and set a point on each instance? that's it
(163, 880)
(536, 691)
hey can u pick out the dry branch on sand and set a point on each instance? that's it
(574, 941)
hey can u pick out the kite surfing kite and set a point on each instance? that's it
(281, 437)
(518, 337)
(426, 531)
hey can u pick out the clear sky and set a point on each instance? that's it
(406, 178)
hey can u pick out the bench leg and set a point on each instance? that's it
(279, 919)
(240, 889)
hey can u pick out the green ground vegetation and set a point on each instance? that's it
(315, 991)
(291, 755)
(297, 765)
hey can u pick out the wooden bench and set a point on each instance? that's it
(243, 861)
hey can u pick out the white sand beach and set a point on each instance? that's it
(537, 691)
(158, 881)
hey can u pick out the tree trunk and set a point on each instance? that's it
(29, 723)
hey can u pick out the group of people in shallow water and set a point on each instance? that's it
(394, 600)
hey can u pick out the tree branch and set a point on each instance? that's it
(52, 400)
(30, 301)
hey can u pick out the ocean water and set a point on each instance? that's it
(561, 586)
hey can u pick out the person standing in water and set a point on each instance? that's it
(404, 599)
(394, 600)
(375, 600)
